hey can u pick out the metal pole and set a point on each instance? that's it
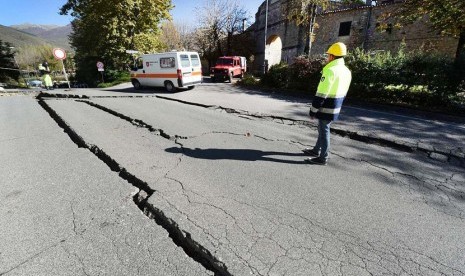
(66, 75)
(266, 30)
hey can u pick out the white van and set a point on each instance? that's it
(171, 70)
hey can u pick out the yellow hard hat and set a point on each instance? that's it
(338, 49)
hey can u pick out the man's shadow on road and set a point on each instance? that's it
(237, 154)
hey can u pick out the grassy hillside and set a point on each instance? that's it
(34, 29)
(19, 38)
(28, 34)
(58, 35)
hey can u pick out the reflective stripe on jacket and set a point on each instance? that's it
(333, 87)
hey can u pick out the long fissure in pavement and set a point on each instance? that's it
(450, 157)
(180, 237)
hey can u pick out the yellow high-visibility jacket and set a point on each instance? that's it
(331, 92)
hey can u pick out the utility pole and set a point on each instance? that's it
(266, 30)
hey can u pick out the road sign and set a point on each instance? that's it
(99, 64)
(132, 51)
(59, 53)
(101, 69)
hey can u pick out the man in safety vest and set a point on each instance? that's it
(45, 72)
(326, 105)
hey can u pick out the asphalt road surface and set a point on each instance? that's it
(212, 182)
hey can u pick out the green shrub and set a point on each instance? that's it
(276, 77)
(305, 73)
(248, 80)
(113, 77)
(416, 78)
(420, 79)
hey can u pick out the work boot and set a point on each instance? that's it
(316, 161)
(311, 152)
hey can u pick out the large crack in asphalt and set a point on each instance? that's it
(449, 156)
(438, 154)
(432, 187)
(135, 122)
(180, 237)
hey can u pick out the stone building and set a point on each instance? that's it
(357, 26)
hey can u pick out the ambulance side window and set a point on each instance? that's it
(185, 62)
(195, 60)
(167, 62)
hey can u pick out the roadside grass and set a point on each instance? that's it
(115, 78)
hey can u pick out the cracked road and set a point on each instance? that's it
(119, 183)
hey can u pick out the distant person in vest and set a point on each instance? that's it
(327, 103)
(45, 71)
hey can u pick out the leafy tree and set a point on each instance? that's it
(30, 56)
(205, 45)
(104, 29)
(445, 16)
(170, 35)
(7, 62)
(301, 11)
(148, 43)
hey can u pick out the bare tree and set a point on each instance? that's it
(219, 20)
(235, 14)
(212, 23)
(186, 33)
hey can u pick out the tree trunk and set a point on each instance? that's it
(220, 50)
(460, 47)
(228, 50)
(311, 23)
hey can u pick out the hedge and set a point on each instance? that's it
(415, 78)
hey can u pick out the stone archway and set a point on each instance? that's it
(274, 47)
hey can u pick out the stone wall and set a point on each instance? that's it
(365, 32)
(291, 36)
(368, 33)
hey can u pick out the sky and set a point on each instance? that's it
(45, 12)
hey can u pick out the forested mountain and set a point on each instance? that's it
(29, 34)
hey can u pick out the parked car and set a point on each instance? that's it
(60, 84)
(35, 83)
(227, 68)
(79, 85)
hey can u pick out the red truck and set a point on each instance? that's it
(228, 68)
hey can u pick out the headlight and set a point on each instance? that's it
(226, 71)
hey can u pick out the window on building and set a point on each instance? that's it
(344, 28)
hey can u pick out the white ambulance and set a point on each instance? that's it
(171, 70)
